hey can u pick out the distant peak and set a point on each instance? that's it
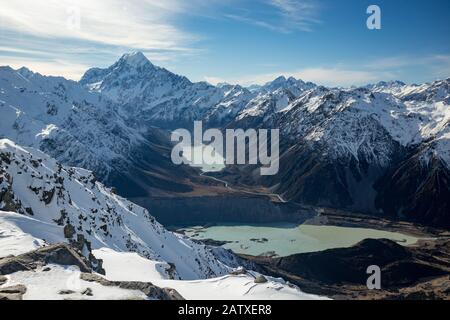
(279, 79)
(24, 71)
(391, 83)
(223, 84)
(135, 59)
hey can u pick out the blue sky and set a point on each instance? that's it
(238, 41)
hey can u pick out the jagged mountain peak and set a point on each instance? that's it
(296, 86)
(391, 83)
(133, 75)
(24, 71)
(135, 59)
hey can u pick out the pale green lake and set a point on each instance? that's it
(288, 239)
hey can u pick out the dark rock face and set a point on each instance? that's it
(69, 231)
(61, 254)
(417, 191)
(341, 156)
(399, 265)
(408, 189)
(66, 292)
(260, 279)
(148, 289)
(246, 209)
(305, 177)
(419, 272)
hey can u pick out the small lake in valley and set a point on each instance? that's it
(288, 239)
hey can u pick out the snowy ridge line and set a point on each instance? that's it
(35, 185)
(43, 202)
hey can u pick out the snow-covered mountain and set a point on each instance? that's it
(295, 86)
(158, 96)
(339, 144)
(84, 129)
(43, 202)
(35, 185)
(151, 94)
(64, 120)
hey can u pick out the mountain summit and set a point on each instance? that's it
(135, 59)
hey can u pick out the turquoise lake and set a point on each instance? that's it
(287, 239)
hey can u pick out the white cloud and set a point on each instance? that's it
(63, 36)
(337, 77)
(136, 24)
(433, 67)
(320, 75)
(437, 66)
(286, 15)
(52, 67)
(214, 80)
(258, 23)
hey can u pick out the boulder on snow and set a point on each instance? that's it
(260, 279)
(147, 288)
(13, 293)
(61, 254)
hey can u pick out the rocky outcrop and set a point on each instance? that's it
(419, 272)
(12, 293)
(399, 265)
(260, 279)
(417, 190)
(61, 254)
(150, 290)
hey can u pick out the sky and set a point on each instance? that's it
(235, 41)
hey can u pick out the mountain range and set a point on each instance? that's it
(380, 149)
(72, 152)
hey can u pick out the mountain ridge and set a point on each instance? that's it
(353, 136)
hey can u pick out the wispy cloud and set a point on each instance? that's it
(143, 24)
(299, 14)
(94, 29)
(54, 67)
(214, 80)
(343, 77)
(437, 65)
(388, 68)
(256, 22)
(286, 15)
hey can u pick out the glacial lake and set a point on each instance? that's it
(288, 239)
(212, 160)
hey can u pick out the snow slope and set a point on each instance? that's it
(33, 184)
(229, 287)
(47, 285)
(54, 203)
